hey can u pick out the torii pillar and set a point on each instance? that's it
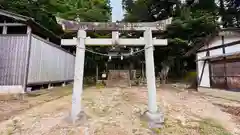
(154, 116)
(78, 75)
(150, 71)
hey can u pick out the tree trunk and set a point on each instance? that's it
(164, 74)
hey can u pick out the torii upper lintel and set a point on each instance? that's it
(114, 26)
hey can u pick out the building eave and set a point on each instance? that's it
(15, 15)
(199, 45)
(208, 39)
(29, 21)
(234, 54)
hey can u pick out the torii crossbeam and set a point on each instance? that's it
(81, 41)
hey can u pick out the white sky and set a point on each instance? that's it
(117, 11)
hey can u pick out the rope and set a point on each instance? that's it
(107, 55)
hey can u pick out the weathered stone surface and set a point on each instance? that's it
(154, 120)
(111, 26)
(118, 78)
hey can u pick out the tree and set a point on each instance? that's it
(93, 10)
(148, 10)
(207, 5)
(230, 13)
(191, 24)
(39, 10)
(45, 11)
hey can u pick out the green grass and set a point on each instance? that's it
(99, 85)
(202, 127)
(211, 127)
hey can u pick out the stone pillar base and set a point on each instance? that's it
(154, 120)
(63, 84)
(80, 119)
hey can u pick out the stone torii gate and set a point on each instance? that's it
(148, 41)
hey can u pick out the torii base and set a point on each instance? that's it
(79, 120)
(154, 120)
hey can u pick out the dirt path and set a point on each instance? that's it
(38, 120)
(186, 107)
(115, 111)
(11, 105)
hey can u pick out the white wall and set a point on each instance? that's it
(13, 59)
(216, 52)
(205, 81)
(217, 41)
(229, 49)
(231, 39)
(49, 63)
(233, 48)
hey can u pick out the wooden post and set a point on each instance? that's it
(143, 74)
(29, 35)
(4, 28)
(150, 72)
(97, 73)
(78, 75)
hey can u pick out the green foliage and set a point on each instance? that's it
(207, 5)
(147, 10)
(190, 76)
(89, 80)
(191, 24)
(39, 10)
(100, 85)
(230, 12)
(45, 11)
(193, 28)
(93, 10)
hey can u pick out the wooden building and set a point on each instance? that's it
(218, 60)
(122, 69)
(30, 55)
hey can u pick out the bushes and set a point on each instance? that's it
(191, 78)
(89, 80)
(190, 75)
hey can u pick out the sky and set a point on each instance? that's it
(117, 12)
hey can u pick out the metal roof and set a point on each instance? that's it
(208, 39)
(234, 54)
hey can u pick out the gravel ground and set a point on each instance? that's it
(117, 111)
